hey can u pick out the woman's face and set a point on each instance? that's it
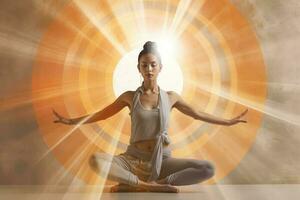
(149, 66)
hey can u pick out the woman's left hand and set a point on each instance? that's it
(61, 119)
(238, 119)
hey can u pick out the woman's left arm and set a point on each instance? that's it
(185, 108)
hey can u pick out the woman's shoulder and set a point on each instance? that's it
(127, 96)
(172, 94)
(173, 97)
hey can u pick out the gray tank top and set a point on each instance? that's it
(145, 124)
(140, 131)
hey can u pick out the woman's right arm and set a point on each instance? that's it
(122, 101)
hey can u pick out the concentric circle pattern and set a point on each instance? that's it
(219, 56)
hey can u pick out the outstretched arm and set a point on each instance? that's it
(107, 112)
(183, 107)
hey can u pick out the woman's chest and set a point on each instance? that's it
(149, 101)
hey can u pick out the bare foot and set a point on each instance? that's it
(163, 188)
(156, 187)
(145, 187)
(121, 187)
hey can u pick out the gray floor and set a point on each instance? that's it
(197, 192)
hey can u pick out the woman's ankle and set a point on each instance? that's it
(162, 181)
(143, 183)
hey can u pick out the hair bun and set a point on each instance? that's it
(150, 46)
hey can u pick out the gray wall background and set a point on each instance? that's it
(274, 157)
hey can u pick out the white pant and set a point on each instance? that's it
(126, 169)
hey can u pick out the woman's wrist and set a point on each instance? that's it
(67, 121)
(228, 122)
(72, 121)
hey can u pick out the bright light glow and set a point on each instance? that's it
(168, 47)
(126, 75)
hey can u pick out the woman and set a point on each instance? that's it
(147, 164)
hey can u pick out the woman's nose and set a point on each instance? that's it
(149, 67)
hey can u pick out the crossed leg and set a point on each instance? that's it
(115, 169)
(184, 171)
(118, 170)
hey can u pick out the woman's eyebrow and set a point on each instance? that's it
(149, 62)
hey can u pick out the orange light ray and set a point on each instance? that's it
(95, 15)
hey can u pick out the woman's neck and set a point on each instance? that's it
(150, 85)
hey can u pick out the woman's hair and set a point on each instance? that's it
(150, 47)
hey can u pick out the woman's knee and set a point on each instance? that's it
(99, 161)
(210, 169)
(206, 167)
(96, 160)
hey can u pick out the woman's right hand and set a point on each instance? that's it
(61, 119)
